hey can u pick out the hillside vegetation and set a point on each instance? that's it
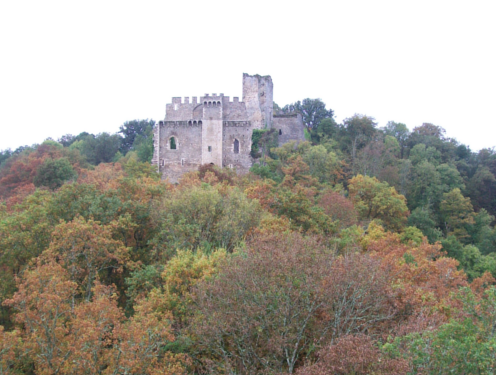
(363, 250)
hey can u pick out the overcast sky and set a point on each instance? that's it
(68, 67)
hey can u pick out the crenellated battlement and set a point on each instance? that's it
(181, 123)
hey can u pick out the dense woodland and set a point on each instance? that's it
(363, 250)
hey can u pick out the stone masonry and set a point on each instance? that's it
(215, 130)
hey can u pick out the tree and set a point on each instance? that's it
(53, 173)
(377, 200)
(204, 217)
(465, 345)
(357, 355)
(85, 249)
(421, 218)
(64, 335)
(356, 131)
(136, 132)
(100, 148)
(457, 213)
(4, 155)
(43, 303)
(268, 308)
(312, 110)
(400, 132)
(339, 208)
(325, 130)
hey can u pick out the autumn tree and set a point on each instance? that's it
(85, 249)
(338, 208)
(267, 309)
(377, 200)
(358, 355)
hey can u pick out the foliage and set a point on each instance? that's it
(376, 200)
(53, 173)
(268, 309)
(313, 111)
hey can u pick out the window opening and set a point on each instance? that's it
(236, 146)
(199, 122)
(209, 148)
(280, 132)
(173, 143)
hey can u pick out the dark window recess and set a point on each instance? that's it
(236, 146)
(280, 132)
(209, 148)
(173, 143)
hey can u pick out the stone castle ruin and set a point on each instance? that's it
(215, 130)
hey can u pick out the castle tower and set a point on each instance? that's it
(258, 97)
(211, 141)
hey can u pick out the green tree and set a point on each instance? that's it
(421, 218)
(135, 133)
(356, 131)
(53, 173)
(325, 130)
(312, 110)
(100, 148)
(457, 213)
(462, 346)
(400, 132)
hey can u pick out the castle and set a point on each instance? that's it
(218, 131)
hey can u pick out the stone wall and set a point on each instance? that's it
(290, 128)
(188, 153)
(237, 155)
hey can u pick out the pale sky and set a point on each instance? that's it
(68, 67)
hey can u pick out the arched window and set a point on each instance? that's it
(189, 123)
(209, 104)
(236, 146)
(215, 104)
(199, 122)
(194, 122)
(218, 104)
(205, 104)
(280, 132)
(172, 143)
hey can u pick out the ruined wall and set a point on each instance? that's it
(188, 154)
(290, 128)
(258, 98)
(237, 155)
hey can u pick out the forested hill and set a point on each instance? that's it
(363, 250)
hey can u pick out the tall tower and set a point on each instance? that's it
(258, 97)
(211, 142)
